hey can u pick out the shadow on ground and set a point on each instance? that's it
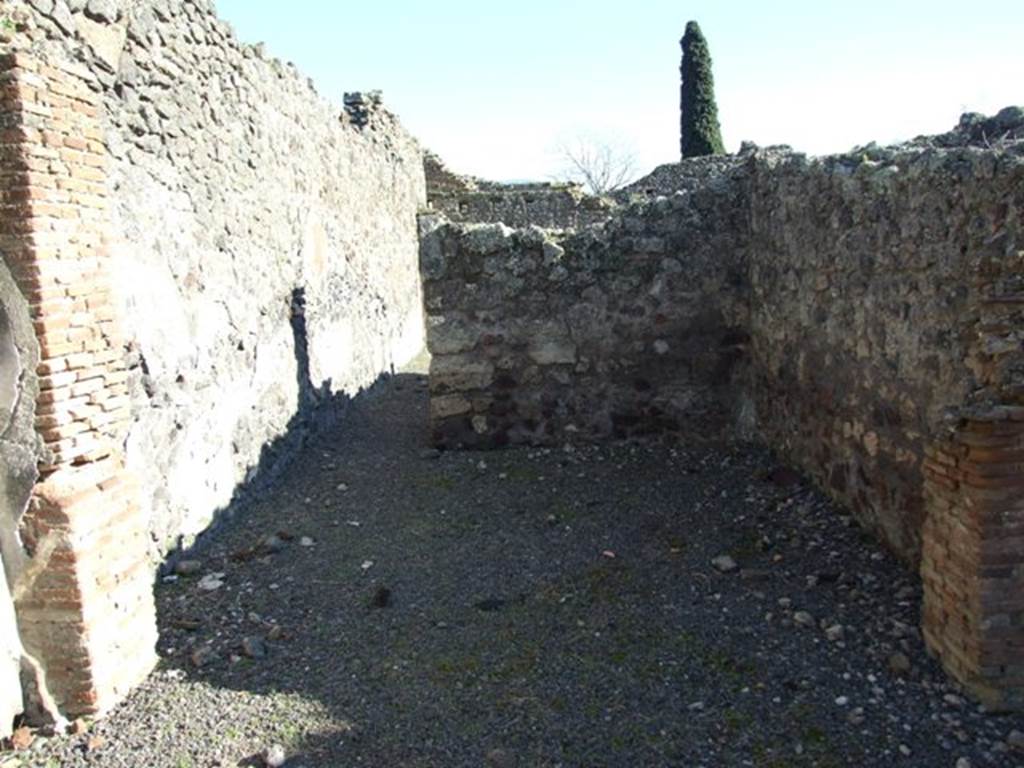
(533, 608)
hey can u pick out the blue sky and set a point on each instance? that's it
(493, 87)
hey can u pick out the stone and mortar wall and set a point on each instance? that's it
(870, 309)
(555, 205)
(220, 260)
(627, 329)
(235, 191)
(974, 474)
(887, 339)
(865, 312)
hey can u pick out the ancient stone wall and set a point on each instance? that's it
(241, 203)
(632, 328)
(866, 308)
(215, 260)
(857, 284)
(554, 205)
(202, 260)
(864, 314)
(887, 344)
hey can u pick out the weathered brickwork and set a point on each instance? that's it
(973, 552)
(83, 599)
(886, 309)
(972, 560)
(86, 611)
(57, 201)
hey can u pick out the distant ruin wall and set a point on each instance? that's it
(555, 205)
(631, 329)
(688, 176)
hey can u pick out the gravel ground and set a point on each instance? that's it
(537, 608)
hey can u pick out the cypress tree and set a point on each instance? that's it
(700, 134)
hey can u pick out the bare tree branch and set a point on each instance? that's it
(601, 166)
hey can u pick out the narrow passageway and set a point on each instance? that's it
(386, 605)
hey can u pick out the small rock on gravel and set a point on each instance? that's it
(1016, 741)
(381, 597)
(274, 756)
(803, 619)
(254, 647)
(724, 564)
(22, 739)
(755, 574)
(899, 664)
(499, 758)
(188, 567)
(203, 656)
(835, 632)
(211, 582)
(489, 605)
(272, 544)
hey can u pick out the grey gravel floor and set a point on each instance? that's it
(537, 608)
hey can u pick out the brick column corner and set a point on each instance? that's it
(84, 604)
(973, 556)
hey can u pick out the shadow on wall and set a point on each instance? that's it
(319, 409)
(232, 572)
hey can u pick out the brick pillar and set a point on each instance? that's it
(85, 605)
(973, 555)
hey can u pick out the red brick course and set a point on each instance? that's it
(87, 612)
(973, 557)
